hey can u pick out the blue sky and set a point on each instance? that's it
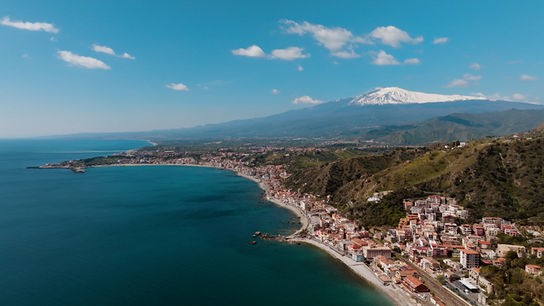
(99, 66)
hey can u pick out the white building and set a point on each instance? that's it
(469, 258)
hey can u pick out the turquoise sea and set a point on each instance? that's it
(150, 236)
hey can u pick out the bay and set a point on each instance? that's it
(160, 235)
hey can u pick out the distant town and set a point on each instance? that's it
(432, 257)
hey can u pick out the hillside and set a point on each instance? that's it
(462, 127)
(493, 177)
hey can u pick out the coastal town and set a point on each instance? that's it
(432, 257)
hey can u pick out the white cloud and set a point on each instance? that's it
(289, 54)
(470, 77)
(458, 83)
(29, 26)
(345, 54)
(110, 51)
(393, 36)
(514, 97)
(526, 77)
(330, 38)
(300, 68)
(342, 43)
(382, 58)
(479, 94)
(440, 40)
(517, 96)
(102, 49)
(177, 86)
(412, 61)
(306, 100)
(339, 41)
(475, 66)
(128, 56)
(251, 51)
(275, 91)
(82, 61)
(465, 81)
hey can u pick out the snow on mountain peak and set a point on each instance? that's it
(396, 95)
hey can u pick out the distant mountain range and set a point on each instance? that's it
(391, 115)
(461, 127)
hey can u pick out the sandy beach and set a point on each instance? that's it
(394, 293)
(397, 295)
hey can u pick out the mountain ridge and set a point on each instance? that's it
(336, 119)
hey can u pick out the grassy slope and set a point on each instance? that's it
(502, 177)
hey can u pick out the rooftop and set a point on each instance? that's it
(470, 252)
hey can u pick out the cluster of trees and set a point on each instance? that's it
(512, 285)
(387, 212)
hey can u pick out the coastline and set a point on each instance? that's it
(395, 294)
(304, 220)
(152, 143)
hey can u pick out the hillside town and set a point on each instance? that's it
(432, 255)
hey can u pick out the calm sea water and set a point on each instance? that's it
(150, 236)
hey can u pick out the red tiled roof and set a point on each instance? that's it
(412, 281)
(359, 241)
(454, 246)
(470, 252)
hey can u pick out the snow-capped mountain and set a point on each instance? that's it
(396, 95)
(379, 113)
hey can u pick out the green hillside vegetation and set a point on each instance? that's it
(461, 127)
(492, 177)
(306, 160)
(330, 177)
(512, 284)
